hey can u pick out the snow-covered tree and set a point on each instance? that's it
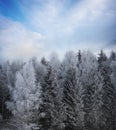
(113, 68)
(10, 70)
(26, 94)
(54, 62)
(71, 94)
(91, 82)
(112, 56)
(78, 93)
(113, 80)
(4, 94)
(73, 104)
(108, 93)
(45, 106)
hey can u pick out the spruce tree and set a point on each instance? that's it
(108, 93)
(88, 75)
(71, 99)
(47, 97)
(4, 95)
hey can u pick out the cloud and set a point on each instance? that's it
(63, 25)
(54, 17)
(58, 25)
(17, 41)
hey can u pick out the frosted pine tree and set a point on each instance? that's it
(50, 111)
(108, 93)
(71, 99)
(88, 73)
(45, 106)
(4, 94)
(113, 80)
(113, 68)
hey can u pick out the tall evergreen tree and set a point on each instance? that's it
(107, 93)
(71, 98)
(91, 83)
(113, 78)
(4, 94)
(47, 96)
(113, 56)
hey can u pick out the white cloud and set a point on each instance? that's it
(60, 24)
(55, 18)
(18, 42)
(58, 28)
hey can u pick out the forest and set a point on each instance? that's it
(75, 93)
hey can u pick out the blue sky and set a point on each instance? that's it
(39, 27)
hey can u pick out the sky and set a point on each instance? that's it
(39, 27)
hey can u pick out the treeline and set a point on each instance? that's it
(78, 93)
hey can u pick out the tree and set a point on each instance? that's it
(113, 79)
(91, 81)
(4, 95)
(113, 68)
(57, 114)
(108, 93)
(54, 62)
(73, 104)
(50, 108)
(78, 93)
(113, 56)
(71, 98)
(25, 95)
(45, 106)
